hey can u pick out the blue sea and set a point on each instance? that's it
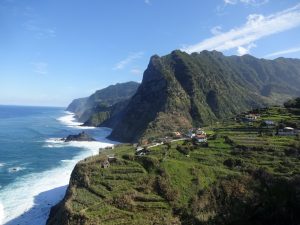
(35, 164)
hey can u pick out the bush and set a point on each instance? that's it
(231, 163)
(183, 150)
(295, 103)
(213, 137)
(148, 163)
(128, 157)
(228, 140)
(164, 188)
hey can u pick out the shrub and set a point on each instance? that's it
(148, 163)
(183, 150)
(128, 157)
(228, 140)
(231, 163)
(164, 188)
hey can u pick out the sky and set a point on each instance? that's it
(53, 51)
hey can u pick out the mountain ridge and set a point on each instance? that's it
(182, 90)
(103, 105)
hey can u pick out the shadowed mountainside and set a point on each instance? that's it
(181, 90)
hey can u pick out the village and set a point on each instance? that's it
(268, 126)
(199, 137)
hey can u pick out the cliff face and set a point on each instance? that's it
(225, 181)
(181, 90)
(104, 105)
(77, 106)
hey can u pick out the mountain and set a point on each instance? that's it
(182, 90)
(241, 175)
(77, 106)
(104, 105)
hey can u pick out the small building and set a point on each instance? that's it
(269, 123)
(191, 133)
(251, 117)
(142, 152)
(111, 158)
(177, 134)
(287, 131)
(110, 147)
(199, 131)
(201, 138)
(139, 148)
(105, 164)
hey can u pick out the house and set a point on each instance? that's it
(194, 132)
(177, 134)
(110, 147)
(139, 148)
(111, 158)
(190, 134)
(287, 131)
(269, 123)
(142, 151)
(251, 117)
(105, 164)
(199, 131)
(201, 138)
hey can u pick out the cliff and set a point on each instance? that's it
(103, 104)
(179, 91)
(239, 177)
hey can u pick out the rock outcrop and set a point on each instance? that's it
(83, 136)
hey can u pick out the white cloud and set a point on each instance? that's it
(40, 68)
(129, 59)
(256, 27)
(231, 2)
(31, 24)
(246, 2)
(284, 52)
(39, 31)
(243, 50)
(254, 2)
(147, 2)
(136, 71)
(216, 30)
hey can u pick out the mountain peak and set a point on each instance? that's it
(180, 90)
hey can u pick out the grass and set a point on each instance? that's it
(166, 185)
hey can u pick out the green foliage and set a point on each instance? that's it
(294, 103)
(183, 149)
(181, 90)
(103, 104)
(239, 178)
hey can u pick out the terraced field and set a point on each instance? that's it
(241, 177)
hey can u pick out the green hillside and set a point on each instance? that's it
(181, 90)
(104, 104)
(246, 174)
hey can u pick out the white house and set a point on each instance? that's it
(287, 131)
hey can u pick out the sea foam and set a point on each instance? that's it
(33, 195)
(29, 199)
(70, 121)
(15, 169)
(1, 213)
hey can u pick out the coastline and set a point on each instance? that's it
(38, 192)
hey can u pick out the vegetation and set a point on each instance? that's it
(295, 103)
(183, 90)
(246, 175)
(103, 104)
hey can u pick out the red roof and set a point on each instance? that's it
(201, 136)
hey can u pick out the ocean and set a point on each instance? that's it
(35, 164)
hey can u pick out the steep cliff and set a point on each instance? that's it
(181, 90)
(104, 105)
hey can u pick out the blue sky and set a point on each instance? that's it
(53, 51)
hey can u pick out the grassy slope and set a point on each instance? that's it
(167, 187)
